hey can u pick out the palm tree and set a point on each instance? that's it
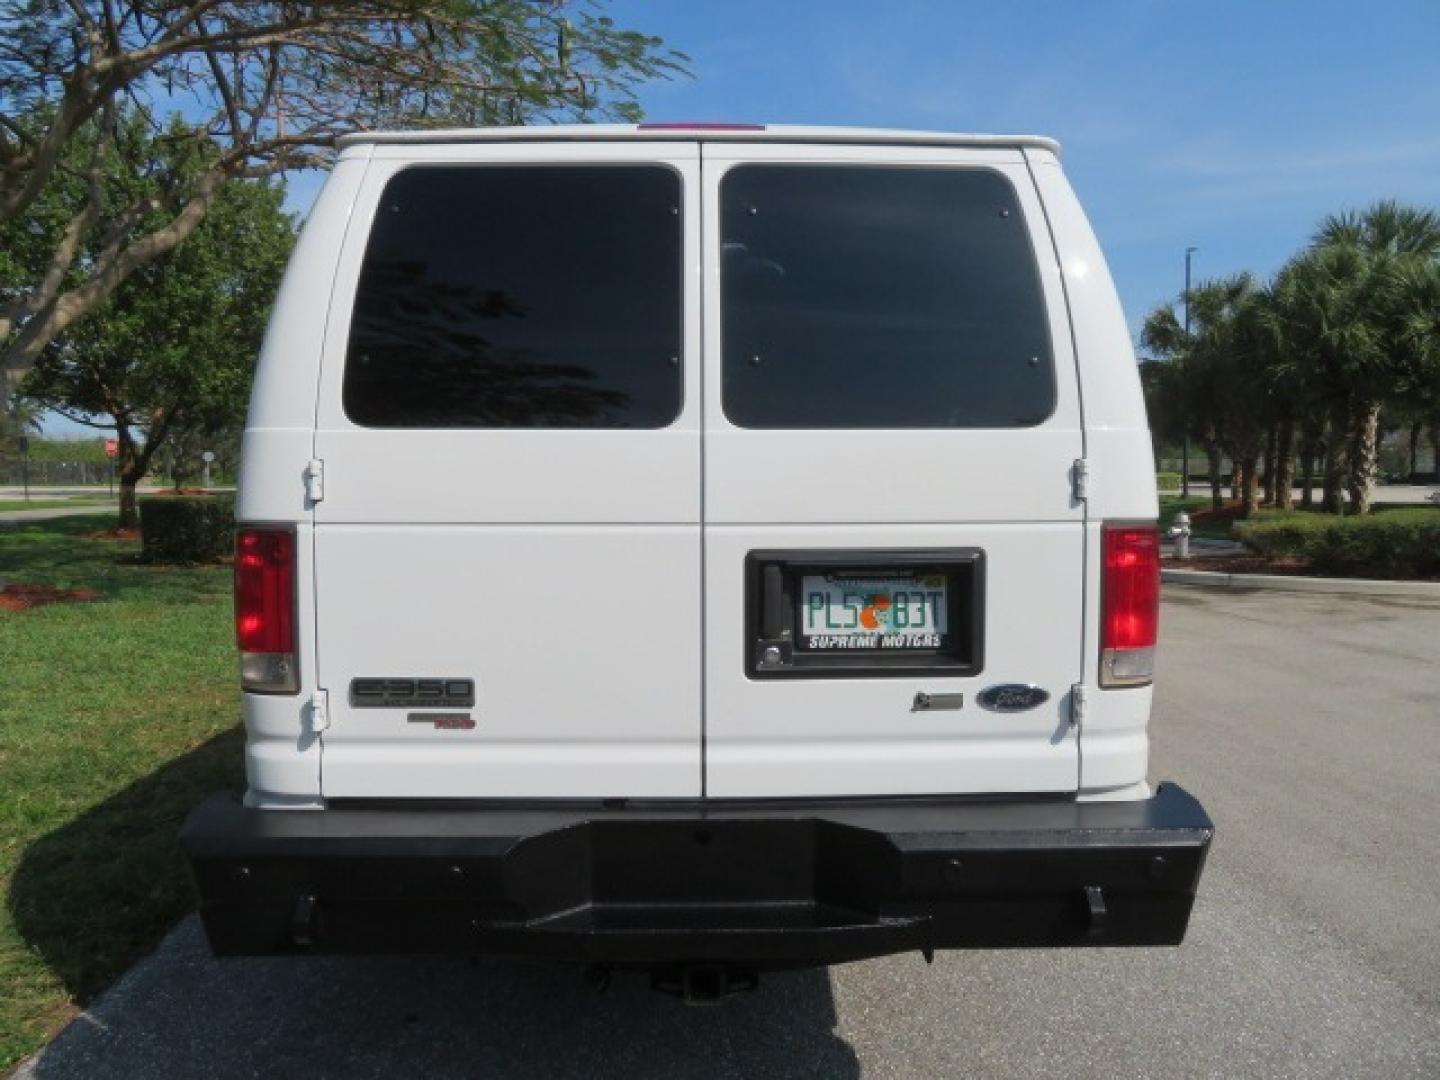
(1415, 325)
(1371, 262)
(1324, 316)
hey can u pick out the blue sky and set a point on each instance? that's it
(1230, 126)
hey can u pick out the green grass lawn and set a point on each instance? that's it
(117, 716)
(82, 502)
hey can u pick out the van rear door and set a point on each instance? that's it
(507, 545)
(894, 550)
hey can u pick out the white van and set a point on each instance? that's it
(706, 548)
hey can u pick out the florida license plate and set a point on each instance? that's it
(901, 611)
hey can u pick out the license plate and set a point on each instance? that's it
(882, 612)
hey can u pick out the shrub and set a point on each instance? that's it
(186, 529)
(1394, 544)
(1167, 481)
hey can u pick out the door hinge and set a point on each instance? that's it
(319, 711)
(314, 481)
(1077, 704)
(1080, 478)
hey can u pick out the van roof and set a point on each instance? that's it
(698, 131)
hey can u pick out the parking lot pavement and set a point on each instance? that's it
(1307, 724)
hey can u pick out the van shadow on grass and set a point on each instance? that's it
(97, 894)
(101, 891)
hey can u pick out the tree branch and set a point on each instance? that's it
(33, 169)
(78, 418)
(227, 95)
(108, 272)
(63, 258)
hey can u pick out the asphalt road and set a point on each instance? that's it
(1310, 727)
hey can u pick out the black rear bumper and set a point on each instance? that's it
(764, 885)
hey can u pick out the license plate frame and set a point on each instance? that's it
(777, 646)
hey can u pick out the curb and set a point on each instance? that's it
(1211, 579)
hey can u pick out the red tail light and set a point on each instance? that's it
(1130, 606)
(265, 609)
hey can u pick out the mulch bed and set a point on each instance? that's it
(1230, 511)
(1242, 564)
(17, 597)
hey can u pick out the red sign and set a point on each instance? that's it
(112, 448)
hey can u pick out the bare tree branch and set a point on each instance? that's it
(80, 418)
(116, 262)
(273, 84)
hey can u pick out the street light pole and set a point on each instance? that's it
(1185, 438)
(1189, 251)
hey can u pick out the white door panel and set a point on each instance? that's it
(558, 567)
(582, 641)
(500, 475)
(496, 477)
(862, 736)
(1006, 491)
(765, 477)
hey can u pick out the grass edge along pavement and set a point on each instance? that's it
(95, 779)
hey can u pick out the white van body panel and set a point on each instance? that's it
(282, 753)
(1121, 464)
(421, 535)
(280, 428)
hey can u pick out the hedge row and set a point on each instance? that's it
(1167, 481)
(1392, 544)
(186, 528)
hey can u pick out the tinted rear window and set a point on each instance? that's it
(503, 297)
(880, 297)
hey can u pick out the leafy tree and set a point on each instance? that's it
(18, 419)
(263, 87)
(168, 358)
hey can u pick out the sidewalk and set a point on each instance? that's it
(9, 516)
(1383, 493)
(1204, 545)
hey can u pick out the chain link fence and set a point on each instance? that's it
(56, 473)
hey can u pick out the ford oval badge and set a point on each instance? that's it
(1012, 697)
